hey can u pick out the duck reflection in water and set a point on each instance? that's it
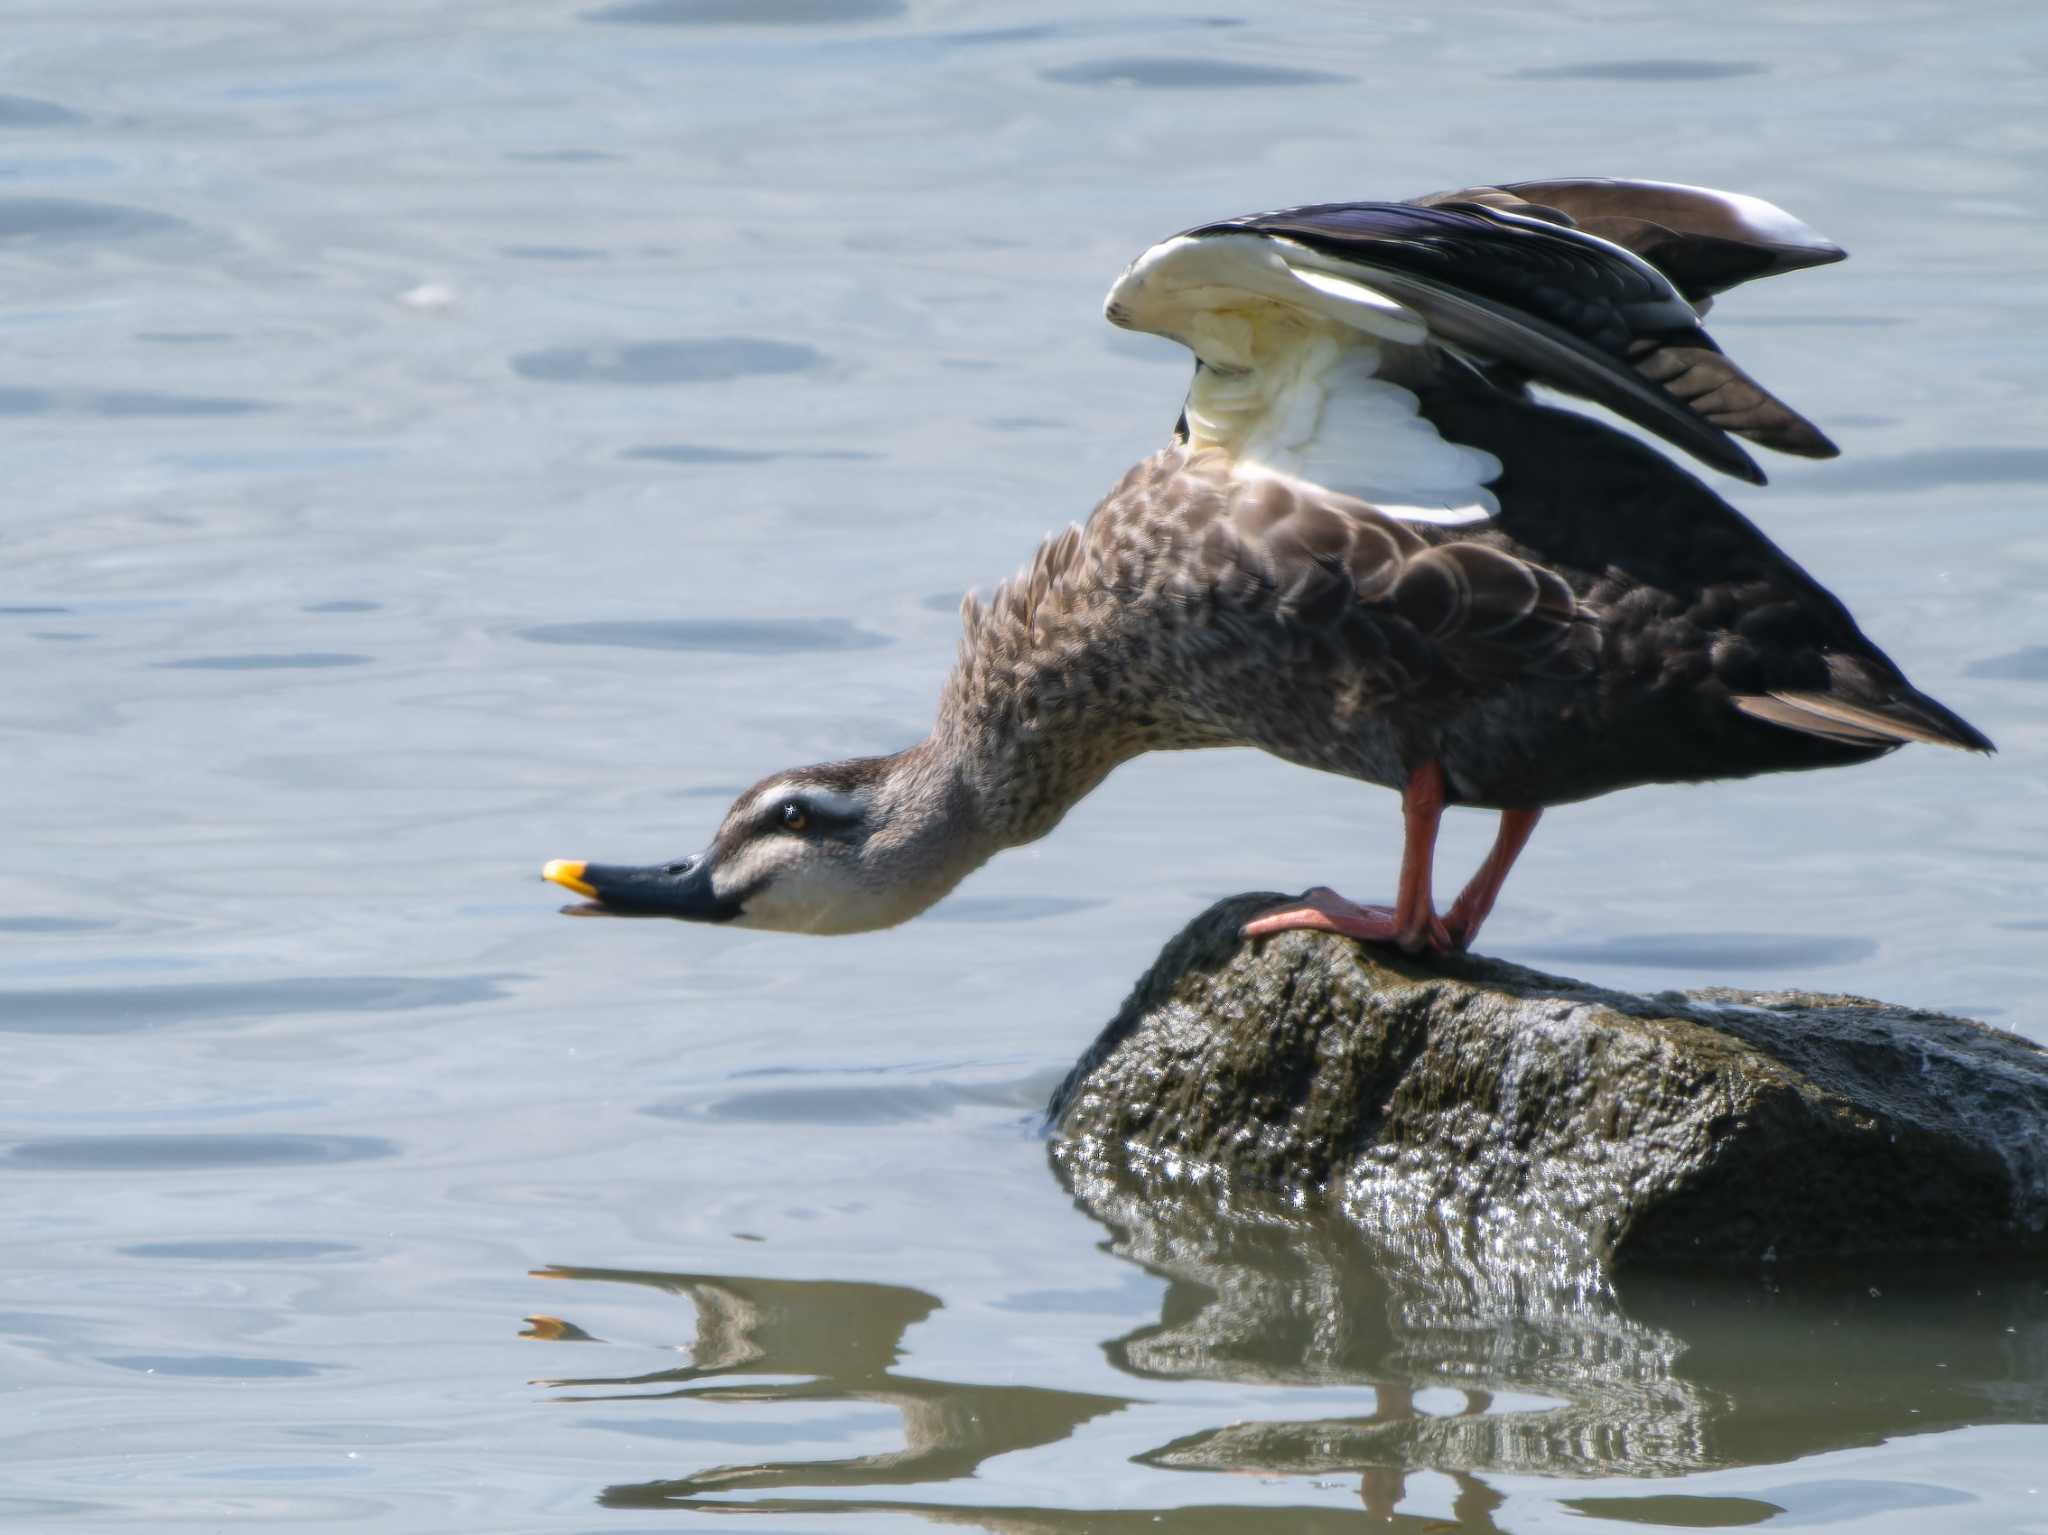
(847, 1337)
(1462, 1377)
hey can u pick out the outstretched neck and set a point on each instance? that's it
(1019, 774)
(944, 807)
(1044, 702)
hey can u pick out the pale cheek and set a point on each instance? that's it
(807, 899)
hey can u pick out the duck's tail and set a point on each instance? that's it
(1907, 715)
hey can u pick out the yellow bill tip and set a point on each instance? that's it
(568, 873)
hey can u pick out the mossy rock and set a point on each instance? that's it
(1554, 1124)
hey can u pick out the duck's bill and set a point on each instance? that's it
(680, 890)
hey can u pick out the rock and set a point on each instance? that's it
(1537, 1124)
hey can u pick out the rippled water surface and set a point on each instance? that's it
(443, 436)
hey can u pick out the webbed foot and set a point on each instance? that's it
(1323, 910)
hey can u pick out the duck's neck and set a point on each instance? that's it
(1042, 705)
(953, 801)
(1019, 774)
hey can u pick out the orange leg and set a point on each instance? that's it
(1412, 922)
(1476, 900)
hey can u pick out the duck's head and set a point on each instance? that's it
(842, 847)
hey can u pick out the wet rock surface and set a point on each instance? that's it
(1540, 1126)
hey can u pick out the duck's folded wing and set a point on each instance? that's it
(1404, 607)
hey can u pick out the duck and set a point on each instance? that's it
(1382, 541)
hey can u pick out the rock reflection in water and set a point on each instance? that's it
(1548, 1374)
(1458, 1370)
(1674, 1374)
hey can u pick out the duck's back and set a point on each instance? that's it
(1263, 611)
(1718, 656)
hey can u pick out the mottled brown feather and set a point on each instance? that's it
(1194, 589)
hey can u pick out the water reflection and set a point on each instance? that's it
(28, 112)
(305, 660)
(1643, 71)
(551, 253)
(214, 1366)
(240, 1250)
(1453, 1357)
(1008, 908)
(55, 220)
(559, 156)
(120, 403)
(844, 1340)
(729, 636)
(701, 453)
(714, 359)
(1746, 952)
(2028, 664)
(1453, 1372)
(1186, 74)
(1673, 1374)
(745, 13)
(188, 1153)
(1927, 469)
(814, 1104)
(131, 1009)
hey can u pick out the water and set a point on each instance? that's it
(444, 437)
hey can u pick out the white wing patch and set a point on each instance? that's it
(1182, 278)
(1290, 351)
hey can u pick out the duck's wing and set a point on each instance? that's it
(1292, 314)
(1705, 241)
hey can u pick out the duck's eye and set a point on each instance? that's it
(795, 817)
